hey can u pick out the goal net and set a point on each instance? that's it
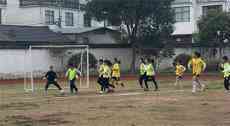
(38, 59)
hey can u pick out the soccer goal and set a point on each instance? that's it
(38, 58)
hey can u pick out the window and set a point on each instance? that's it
(49, 17)
(87, 21)
(0, 16)
(182, 14)
(69, 19)
(207, 9)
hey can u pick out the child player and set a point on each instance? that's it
(180, 69)
(198, 66)
(72, 74)
(226, 70)
(116, 74)
(51, 78)
(150, 75)
(142, 73)
(100, 79)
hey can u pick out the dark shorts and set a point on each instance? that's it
(179, 77)
(149, 78)
(116, 78)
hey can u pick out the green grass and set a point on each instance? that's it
(168, 107)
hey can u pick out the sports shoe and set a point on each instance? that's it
(226, 91)
(62, 91)
(101, 92)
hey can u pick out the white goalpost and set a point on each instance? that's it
(66, 51)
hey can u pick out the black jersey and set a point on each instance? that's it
(51, 76)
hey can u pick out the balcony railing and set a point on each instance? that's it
(208, 1)
(4, 2)
(182, 1)
(70, 4)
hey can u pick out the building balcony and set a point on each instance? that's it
(176, 2)
(210, 1)
(68, 4)
(3, 2)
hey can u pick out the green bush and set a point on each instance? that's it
(76, 59)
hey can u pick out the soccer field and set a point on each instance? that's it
(129, 106)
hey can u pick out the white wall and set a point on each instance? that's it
(14, 62)
(195, 14)
(35, 16)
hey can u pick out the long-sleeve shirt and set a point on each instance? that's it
(51, 76)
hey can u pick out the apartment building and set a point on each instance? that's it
(69, 14)
(63, 13)
(188, 12)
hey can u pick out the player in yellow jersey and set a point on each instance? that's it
(142, 73)
(72, 74)
(180, 69)
(150, 75)
(100, 79)
(225, 67)
(116, 73)
(198, 66)
(107, 76)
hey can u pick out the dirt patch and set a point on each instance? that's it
(19, 106)
(35, 119)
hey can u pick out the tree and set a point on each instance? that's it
(214, 29)
(76, 60)
(144, 20)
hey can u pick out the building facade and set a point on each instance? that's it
(69, 14)
(188, 12)
(63, 13)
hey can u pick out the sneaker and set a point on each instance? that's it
(101, 92)
(62, 92)
(193, 91)
(226, 91)
(203, 88)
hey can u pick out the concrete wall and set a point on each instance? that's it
(15, 62)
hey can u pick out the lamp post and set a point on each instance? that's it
(105, 15)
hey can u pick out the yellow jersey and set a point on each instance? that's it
(197, 65)
(226, 69)
(116, 70)
(180, 69)
(101, 70)
(142, 69)
(150, 70)
(107, 71)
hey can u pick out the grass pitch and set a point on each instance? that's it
(129, 106)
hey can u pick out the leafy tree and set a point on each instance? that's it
(76, 59)
(147, 22)
(214, 29)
